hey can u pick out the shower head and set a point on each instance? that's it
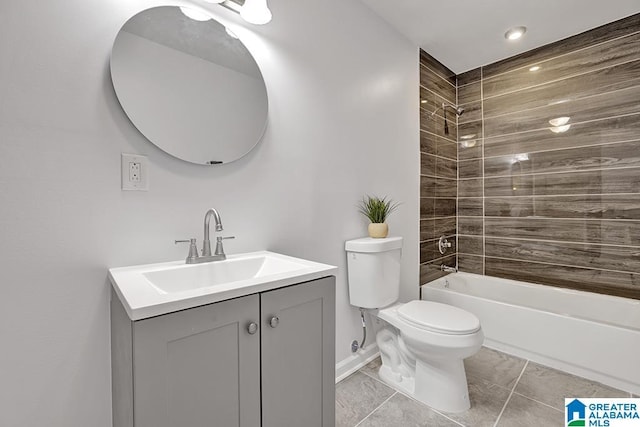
(444, 106)
(457, 110)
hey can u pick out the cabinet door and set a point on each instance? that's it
(198, 367)
(298, 355)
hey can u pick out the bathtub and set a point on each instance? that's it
(591, 335)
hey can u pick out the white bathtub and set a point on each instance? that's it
(591, 335)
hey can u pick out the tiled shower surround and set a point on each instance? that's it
(438, 171)
(549, 164)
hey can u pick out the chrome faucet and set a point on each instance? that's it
(206, 244)
(219, 254)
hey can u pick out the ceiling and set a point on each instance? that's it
(465, 34)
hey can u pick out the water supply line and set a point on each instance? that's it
(354, 345)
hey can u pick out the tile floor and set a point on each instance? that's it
(504, 390)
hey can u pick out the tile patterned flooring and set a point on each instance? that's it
(505, 391)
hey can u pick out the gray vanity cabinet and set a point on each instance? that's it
(298, 355)
(206, 366)
(198, 365)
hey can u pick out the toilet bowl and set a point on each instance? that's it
(422, 343)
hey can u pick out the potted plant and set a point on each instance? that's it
(377, 210)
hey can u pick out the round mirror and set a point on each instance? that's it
(189, 86)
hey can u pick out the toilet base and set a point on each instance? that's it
(397, 381)
(442, 385)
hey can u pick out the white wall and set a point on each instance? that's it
(343, 122)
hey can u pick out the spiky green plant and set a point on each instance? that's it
(377, 209)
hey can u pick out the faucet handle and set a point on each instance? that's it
(219, 248)
(193, 249)
(443, 244)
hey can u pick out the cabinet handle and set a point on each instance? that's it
(252, 328)
(274, 322)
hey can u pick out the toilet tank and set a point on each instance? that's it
(373, 267)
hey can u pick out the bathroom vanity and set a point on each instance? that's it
(255, 351)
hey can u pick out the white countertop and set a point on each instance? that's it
(143, 292)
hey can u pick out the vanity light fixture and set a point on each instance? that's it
(253, 11)
(196, 15)
(515, 33)
(256, 12)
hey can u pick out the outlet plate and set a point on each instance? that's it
(135, 172)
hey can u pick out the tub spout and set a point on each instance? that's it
(448, 269)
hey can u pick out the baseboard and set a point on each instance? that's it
(348, 366)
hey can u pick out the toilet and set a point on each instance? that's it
(422, 343)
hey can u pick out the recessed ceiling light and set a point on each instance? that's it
(468, 143)
(560, 124)
(560, 129)
(559, 121)
(515, 33)
(423, 101)
(534, 68)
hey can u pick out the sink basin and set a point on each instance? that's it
(156, 289)
(188, 277)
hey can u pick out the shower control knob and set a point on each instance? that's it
(252, 328)
(274, 322)
(443, 244)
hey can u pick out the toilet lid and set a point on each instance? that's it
(439, 317)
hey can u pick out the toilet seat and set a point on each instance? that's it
(436, 317)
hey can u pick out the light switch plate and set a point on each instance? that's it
(135, 172)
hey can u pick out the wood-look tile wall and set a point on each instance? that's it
(439, 170)
(560, 208)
